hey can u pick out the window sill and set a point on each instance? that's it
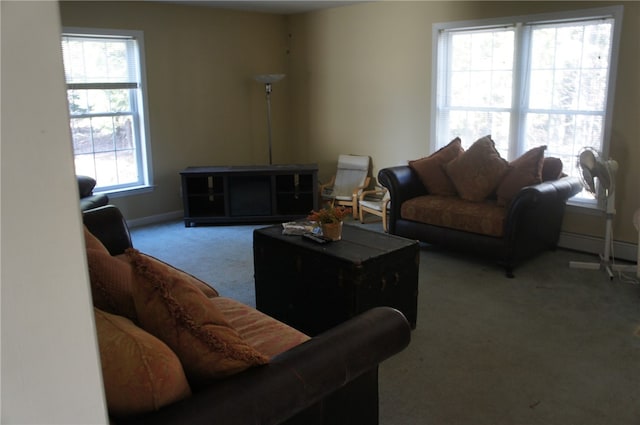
(120, 193)
(584, 206)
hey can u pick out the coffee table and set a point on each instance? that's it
(313, 287)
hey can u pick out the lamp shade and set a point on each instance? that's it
(268, 78)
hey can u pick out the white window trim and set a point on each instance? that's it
(145, 139)
(615, 12)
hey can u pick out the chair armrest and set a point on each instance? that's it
(108, 225)
(325, 186)
(359, 189)
(295, 379)
(379, 194)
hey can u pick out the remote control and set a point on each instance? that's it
(316, 238)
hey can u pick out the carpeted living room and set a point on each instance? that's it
(546, 332)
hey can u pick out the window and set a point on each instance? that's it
(104, 72)
(529, 81)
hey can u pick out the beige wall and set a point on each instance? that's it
(358, 81)
(362, 84)
(204, 106)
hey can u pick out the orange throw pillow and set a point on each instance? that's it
(140, 373)
(182, 316)
(111, 283)
(551, 169)
(431, 172)
(478, 171)
(523, 171)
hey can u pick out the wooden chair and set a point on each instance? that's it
(351, 178)
(375, 202)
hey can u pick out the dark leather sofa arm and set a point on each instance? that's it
(296, 379)
(542, 197)
(108, 224)
(403, 184)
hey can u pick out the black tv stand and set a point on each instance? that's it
(248, 194)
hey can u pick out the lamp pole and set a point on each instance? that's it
(268, 80)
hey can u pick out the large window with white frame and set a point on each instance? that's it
(104, 71)
(528, 81)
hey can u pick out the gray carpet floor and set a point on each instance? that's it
(554, 345)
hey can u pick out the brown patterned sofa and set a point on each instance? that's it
(477, 202)
(173, 351)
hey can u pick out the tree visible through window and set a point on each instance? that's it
(529, 81)
(104, 76)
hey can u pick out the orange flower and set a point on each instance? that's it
(329, 214)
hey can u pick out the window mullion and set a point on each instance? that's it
(520, 91)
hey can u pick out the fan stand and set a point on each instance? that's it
(605, 259)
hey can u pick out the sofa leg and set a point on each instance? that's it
(509, 272)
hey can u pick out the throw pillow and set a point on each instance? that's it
(478, 171)
(523, 171)
(183, 317)
(551, 169)
(431, 172)
(111, 283)
(140, 373)
(170, 270)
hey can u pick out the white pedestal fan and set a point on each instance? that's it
(593, 169)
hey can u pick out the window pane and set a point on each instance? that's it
(102, 133)
(81, 136)
(78, 104)
(127, 167)
(123, 132)
(98, 60)
(85, 165)
(471, 125)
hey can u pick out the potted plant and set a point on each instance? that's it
(330, 220)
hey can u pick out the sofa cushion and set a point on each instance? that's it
(266, 334)
(523, 171)
(431, 171)
(551, 169)
(111, 283)
(184, 318)
(478, 171)
(140, 373)
(486, 218)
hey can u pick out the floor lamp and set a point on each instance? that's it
(267, 80)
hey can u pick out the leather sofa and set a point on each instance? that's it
(89, 200)
(331, 378)
(531, 223)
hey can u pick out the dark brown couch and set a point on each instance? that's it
(527, 226)
(330, 379)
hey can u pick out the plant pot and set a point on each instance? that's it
(332, 230)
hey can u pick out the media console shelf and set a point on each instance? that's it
(248, 194)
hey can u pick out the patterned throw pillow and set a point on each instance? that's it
(431, 172)
(186, 320)
(523, 171)
(140, 373)
(478, 171)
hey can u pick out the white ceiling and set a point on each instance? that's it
(269, 6)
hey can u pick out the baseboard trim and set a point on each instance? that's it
(154, 219)
(621, 250)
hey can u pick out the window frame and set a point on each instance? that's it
(516, 138)
(140, 111)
